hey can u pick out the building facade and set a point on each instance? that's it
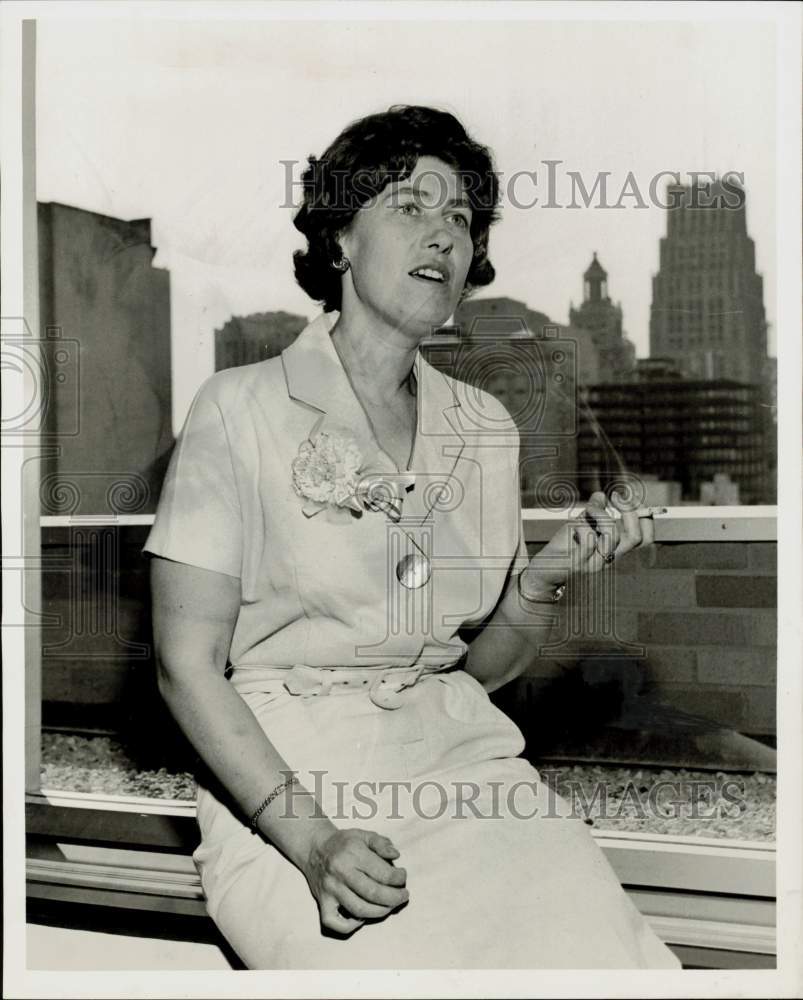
(534, 374)
(689, 432)
(707, 299)
(105, 327)
(504, 314)
(244, 340)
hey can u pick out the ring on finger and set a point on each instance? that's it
(606, 558)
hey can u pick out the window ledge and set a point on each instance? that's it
(678, 524)
(691, 864)
(728, 924)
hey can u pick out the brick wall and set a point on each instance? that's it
(694, 627)
(704, 617)
(97, 659)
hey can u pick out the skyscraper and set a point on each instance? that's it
(603, 319)
(707, 302)
(105, 318)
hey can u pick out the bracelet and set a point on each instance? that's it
(550, 596)
(276, 791)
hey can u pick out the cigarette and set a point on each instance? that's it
(641, 513)
(651, 511)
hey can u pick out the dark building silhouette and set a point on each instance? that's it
(105, 323)
(244, 340)
(655, 370)
(680, 430)
(707, 300)
(603, 319)
(500, 313)
(530, 365)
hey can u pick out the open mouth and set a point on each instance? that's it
(429, 274)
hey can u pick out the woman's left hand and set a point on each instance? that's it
(596, 540)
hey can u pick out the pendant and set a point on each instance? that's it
(413, 571)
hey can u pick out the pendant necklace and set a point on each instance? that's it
(414, 569)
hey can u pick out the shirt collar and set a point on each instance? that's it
(315, 375)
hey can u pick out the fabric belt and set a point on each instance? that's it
(384, 687)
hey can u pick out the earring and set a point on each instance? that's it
(341, 265)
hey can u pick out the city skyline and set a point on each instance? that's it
(180, 123)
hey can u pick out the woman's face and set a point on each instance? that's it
(410, 249)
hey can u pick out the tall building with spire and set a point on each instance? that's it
(603, 319)
(707, 299)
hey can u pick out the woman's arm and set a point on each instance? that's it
(512, 636)
(194, 613)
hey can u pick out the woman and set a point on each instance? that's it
(330, 520)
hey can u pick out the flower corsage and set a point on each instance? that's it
(329, 474)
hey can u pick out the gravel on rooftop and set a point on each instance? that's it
(677, 801)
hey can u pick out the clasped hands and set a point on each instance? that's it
(352, 875)
(593, 540)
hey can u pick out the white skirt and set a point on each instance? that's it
(500, 875)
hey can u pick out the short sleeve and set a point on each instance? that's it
(198, 518)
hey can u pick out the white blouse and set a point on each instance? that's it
(320, 588)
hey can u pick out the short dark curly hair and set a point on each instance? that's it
(369, 154)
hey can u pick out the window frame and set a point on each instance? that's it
(715, 899)
(736, 872)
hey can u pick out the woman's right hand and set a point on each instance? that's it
(352, 871)
(195, 611)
